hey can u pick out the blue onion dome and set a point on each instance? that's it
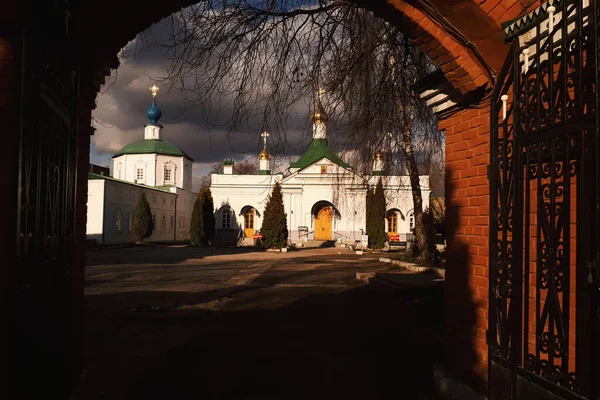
(154, 113)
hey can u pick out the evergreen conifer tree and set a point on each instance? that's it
(378, 239)
(142, 219)
(274, 226)
(196, 222)
(207, 232)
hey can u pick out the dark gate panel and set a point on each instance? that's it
(544, 280)
(39, 349)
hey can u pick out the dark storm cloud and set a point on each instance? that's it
(201, 132)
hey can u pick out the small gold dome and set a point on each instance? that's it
(319, 115)
(264, 155)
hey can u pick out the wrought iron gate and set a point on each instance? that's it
(544, 319)
(39, 329)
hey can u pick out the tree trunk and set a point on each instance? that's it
(413, 172)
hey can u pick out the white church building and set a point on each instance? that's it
(324, 198)
(158, 168)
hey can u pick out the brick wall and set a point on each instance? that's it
(467, 205)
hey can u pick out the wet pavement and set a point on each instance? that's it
(203, 323)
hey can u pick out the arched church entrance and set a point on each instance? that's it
(324, 224)
(250, 213)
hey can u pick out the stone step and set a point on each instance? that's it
(316, 243)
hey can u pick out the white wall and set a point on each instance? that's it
(95, 209)
(303, 189)
(108, 198)
(185, 205)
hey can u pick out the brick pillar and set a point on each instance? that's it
(467, 215)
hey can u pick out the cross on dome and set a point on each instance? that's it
(265, 135)
(154, 89)
(154, 112)
(320, 93)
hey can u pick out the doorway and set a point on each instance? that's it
(323, 224)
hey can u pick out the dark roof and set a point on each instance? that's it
(318, 149)
(153, 146)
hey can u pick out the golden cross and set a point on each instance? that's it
(320, 92)
(154, 89)
(265, 135)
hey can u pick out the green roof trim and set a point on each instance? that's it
(93, 176)
(153, 146)
(318, 149)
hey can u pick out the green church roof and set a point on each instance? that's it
(153, 146)
(318, 149)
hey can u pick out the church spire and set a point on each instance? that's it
(152, 130)
(319, 118)
(264, 157)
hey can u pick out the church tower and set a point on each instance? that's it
(153, 161)
(264, 158)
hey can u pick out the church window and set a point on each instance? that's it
(153, 221)
(227, 217)
(163, 223)
(392, 220)
(411, 220)
(164, 199)
(119, 174)
(167, 174)
(118, 221)
(140, 174)
(153, 198)
(323, 169)
(171, 224)
(130, 222)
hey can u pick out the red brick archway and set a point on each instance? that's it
(464, 39)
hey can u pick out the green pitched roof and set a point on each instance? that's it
(150, 146)
(318, 149)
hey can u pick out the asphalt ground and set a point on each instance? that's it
(177, 322)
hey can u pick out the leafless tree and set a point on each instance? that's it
(262, 58)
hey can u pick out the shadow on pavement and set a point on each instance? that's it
(362, 343)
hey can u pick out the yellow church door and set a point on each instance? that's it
(249, 223)
(323, 224)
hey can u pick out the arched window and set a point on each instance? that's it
(118, 221)
(227, 218)
(411, 220)
(130, 222)
(163, 223)
(171, 225)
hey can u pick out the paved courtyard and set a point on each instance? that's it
(178, 322)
